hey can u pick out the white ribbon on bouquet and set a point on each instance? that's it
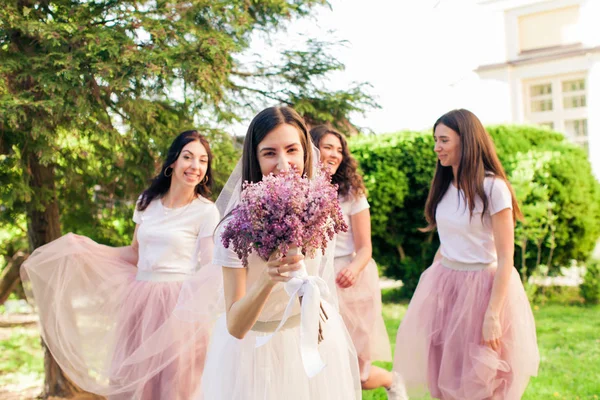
(312, 289)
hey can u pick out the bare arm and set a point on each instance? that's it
(503, 228)
(244, 306)
(361, 235)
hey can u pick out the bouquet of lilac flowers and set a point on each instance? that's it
(284, 212)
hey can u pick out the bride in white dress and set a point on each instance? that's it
(257, 352)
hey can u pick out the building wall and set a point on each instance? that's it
(500, 87)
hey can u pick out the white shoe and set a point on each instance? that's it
(397, 391)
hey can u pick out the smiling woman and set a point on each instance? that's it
(185, 175)
(256, 300)
(107, 313)
(469, 331)
(332, 151)
(280, 150)
(192, 164)
(357, 277)
(447, 146)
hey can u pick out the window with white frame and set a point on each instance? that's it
(576, 129)
(559, 103)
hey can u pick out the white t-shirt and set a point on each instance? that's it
(169, 238)
(465, 239)
(350, 205)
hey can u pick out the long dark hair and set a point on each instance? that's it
(346, 177)
(478, 159)
(267, 120)
(161, 183)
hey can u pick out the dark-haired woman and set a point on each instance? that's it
(469, 332)
(109, 325)
(291, 363)
(357, 278)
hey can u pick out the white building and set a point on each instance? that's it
(544, 67)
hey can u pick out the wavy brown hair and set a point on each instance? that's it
(347, 178)
(478, 160)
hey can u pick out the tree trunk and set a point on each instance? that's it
(43, 226)
(552, 247)
(43, 220)
(10, 276)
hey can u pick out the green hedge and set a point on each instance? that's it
(590, 288)
(552, 178)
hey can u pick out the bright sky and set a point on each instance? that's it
(413, 52)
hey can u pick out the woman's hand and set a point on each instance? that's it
(346, 278)
(361, 235)
(277, 267)
(491, 330)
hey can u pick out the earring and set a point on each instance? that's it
(165, 172)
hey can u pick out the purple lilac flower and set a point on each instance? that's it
(282, 211)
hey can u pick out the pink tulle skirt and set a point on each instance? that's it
(114, 335)
(438, 346)
(360, 307)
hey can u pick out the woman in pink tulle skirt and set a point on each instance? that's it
(357, 277)
(469, 332)
(107, 314)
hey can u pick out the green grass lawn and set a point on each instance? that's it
(568, 336)
(21, 359)
(569, 341)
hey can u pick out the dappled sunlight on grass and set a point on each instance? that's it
(568, 337)
(21, 360)
(569, 341)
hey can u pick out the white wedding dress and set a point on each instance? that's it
(278, 370)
